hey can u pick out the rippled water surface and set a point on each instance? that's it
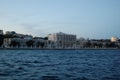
(59, 64)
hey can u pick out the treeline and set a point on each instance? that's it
(32, 43)
(29, 43)
(15, 43)
(101, 45)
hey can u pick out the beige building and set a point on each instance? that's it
(63, 40)
(114, 39)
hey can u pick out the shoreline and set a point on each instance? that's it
(59, 49)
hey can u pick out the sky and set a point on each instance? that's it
(98, 19)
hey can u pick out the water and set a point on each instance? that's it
(59, 64)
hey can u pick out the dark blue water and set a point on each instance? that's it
(59, 64)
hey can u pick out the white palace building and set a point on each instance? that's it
(62, 40)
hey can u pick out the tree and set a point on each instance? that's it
(112, 45)
(1, 40)
(30, 43)
(88, 44)
(10, 36)
(14, 43)
(46, 38)
(100, 45)
(38, 44)
(42, 44)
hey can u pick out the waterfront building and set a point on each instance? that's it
(63, 40)
(50, 44)
(80, 43)
(15, 39)
(7, 42)
(40, 42)
(20, 42)
(114, 39)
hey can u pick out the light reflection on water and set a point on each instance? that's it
(59, 64)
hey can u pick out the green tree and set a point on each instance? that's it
(15, 43)
(1, 40)
(30, 43)
(40, 44)
(10, 36)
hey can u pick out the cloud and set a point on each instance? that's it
(34, 29)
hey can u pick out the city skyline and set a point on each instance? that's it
(85, 18)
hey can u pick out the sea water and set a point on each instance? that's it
(59, 64)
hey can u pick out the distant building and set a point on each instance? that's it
(114, 39)
(63, 40)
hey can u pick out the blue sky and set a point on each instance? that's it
(85, 18)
